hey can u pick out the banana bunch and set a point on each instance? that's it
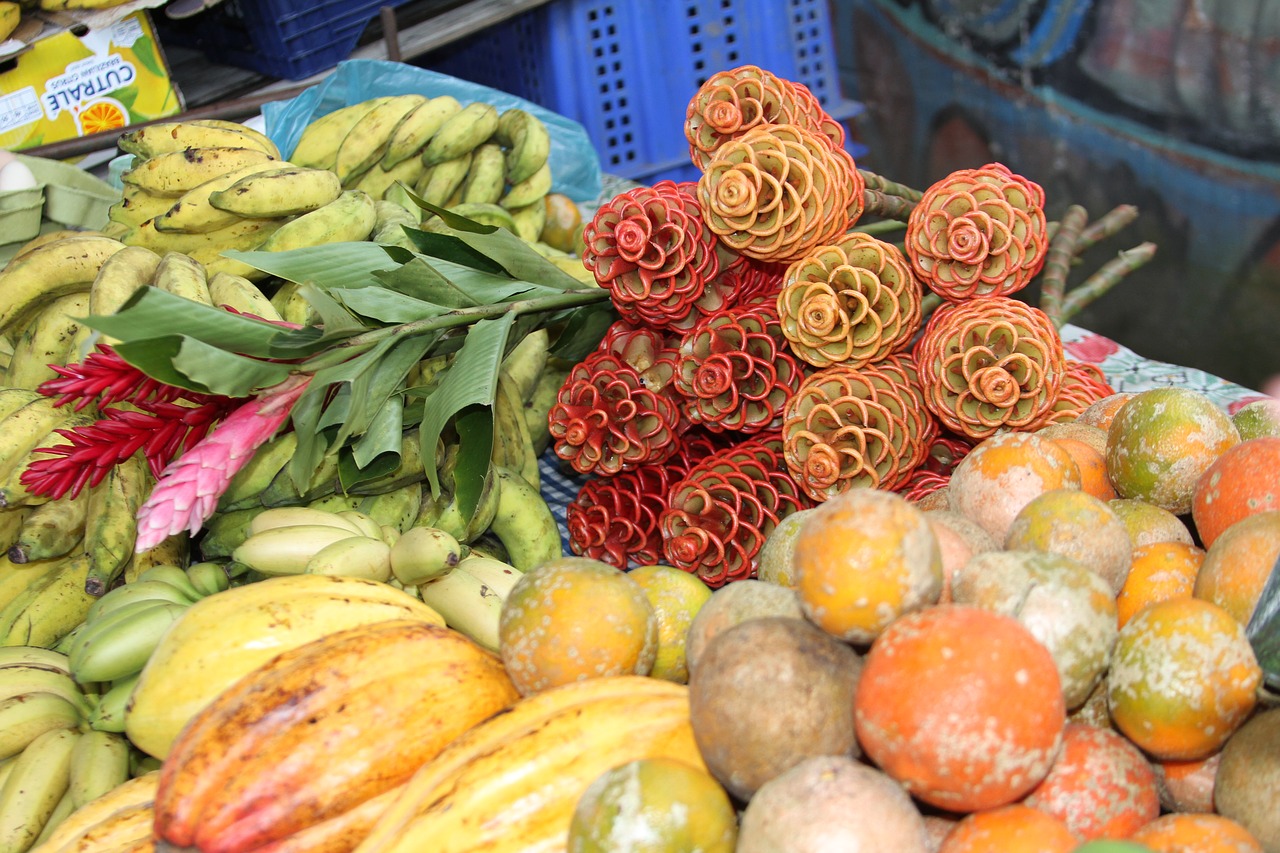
(306, 540)
(50, 762)
(207, 186)
(492, 167)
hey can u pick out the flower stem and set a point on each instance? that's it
(1106, 226)
(886, 206)
(1108, 276)
(1058, 262)
(881, 184)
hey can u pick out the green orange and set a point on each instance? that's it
(676, 597)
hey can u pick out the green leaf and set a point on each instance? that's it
(519, 259)
(447, 247)
(387, 306)
(475, 449)
(155, 313)
(330, 265)
(145, 50)
(227, 373)
(312, 445)
(470, 380)
(419, 279)
(1263, 629)
(383, 436)
(584, 330)
(336, 320)
(154, 357)
(489, 288)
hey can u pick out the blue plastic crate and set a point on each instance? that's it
(280, 38)
(626, 69)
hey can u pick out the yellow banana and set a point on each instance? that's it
(422, 554)
(56, 610)
(111, 524)
(532, 189)
(120, 277)
(53, 270)
(353, 557)
(25, 717)
(348, 218)
(317, 148)
(512, 443)
(299, 516)
(440, 181)
(228, 290)
(95, 820)
(461, 133)
(172, 552)
(11, 524)
(484, 182)
(276, 193)
(524, 522)
(528, 143)
(485, 214)
(137, 206)
(99, 764)
(156, 139)
(13, 492)
(22, 679)
(258, 137)
(178, 172)
(18, 580)
(529, 220)
(376, 181)
(12, 399)
(215, 261)
(51, 530)
(28, 428)
(60, 813)
(365, 523)
(194, 214)
(415, 131)
(366, 142)
(241, 235)
(39, 778)
(181, 275)
(291, 304)
(46, 340)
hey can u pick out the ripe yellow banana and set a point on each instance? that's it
(441, 180)
(228, 290)
(25, 717)
(28, 428)
(46, 340)
(317, 148)
(12, 399)
(277, 193)
(13, 492)
(11, 522)
(528, 143)
(178, 172)
(60, 813)
(348, 218)
(366, 142)
(530, 220)
(462, 132)
(485, 179)
(470, 597)
(25, 679)
(532, 189)
(39, 778)
(51, 530)
(422, 554)
(259, 138)
(96, 826)
(110, 528)
(18, 580)
(183, 276)
(526, 363)
(156, 139)
(99, 764)
(53, 270)
(524, 522)
(415, 131)
(136, 207)
(120, 277)
(193, 213)
(241, 235)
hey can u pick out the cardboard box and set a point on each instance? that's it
(79, 78)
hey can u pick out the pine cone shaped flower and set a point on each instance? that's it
(851, 303)
(989, 364)
(651, 249)
(616, 410)
(1083, 384)
(778, 191)
(720, 514)
(732, 102)
(978, 232)
(733, 372)
(850, 427)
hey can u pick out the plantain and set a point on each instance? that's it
(485, 182)
(527, 141)
(367, 141)
(532, 189)
(441, 180)
(47, 340)
(110, 522)
(180, 274)
(228, 290)
(415, 131)
(120, 277)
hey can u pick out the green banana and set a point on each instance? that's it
(99, 763)
(39, 778)
(27, 716)
(524, 522)
(462, 132)
(34, 678)
(276, 193)
(485, 214)
(224, 531)
(376, 181)
(57, 607)
(283, 491)
(119, 645)
(530, 220)
(424, 553)
(110, 522)
(337, 502)
(367, 141)
(170, 554)
(291, 304)
(173, 575)
(348, 218)
(470, 597)
(194, 214)
(156, 139)
(129, 594)
(317, 148)
(11, 524)
(485, 182)
(526, 361)
(545, 394)
(287, 550)
(178, 172)
(51, 530)
(120, 277)
(228, 290)
(396, 508)
(400, 193)
(25, 655)
(267, 461)
(182, 276)
(415, 131)
(512, 443)
(440, 181)
(392, 219)
(208, 577)
(109, 714)
(353, 557)
(46, 340)
(531, 189)
(527, 140)
(366, 523)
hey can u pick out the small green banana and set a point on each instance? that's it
(396, 508)
(461, 133)
(528, 142)
(531, 189)
(424, 553)
(120, 644)
(348, 218)
(109, 714)
(415, 131)
(441, 180)
(524, 522)
(267, 461)
(224, 531)
(354, 557)
(129, 594)
(367, 141)
(485, 179)
(208, 577)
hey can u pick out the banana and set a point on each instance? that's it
(179, 172)
(392, 219)
(524, 522)
(399, 193)
(178, 274)
(348, 218)
(119, 645)
(528, 143)
(241, 235)
(10, 17)
(224, 532)
(120, 277)
(277, 193)
(545, 394)
(13, 492)
(99, 764)
(57, 608)
(208, 578)
(413, 133)
(295, 516)
(529, 220)
(367, 141)
(353, 557)
(292, 305)
(259, 138)
(337, 502)
(512, 443)
(26, 679)
(93, 827)
(462, 132)
(27, 716)
(366, 523)
(46, 340)
(267, 461)
(156, 139)
(317, 148)
(171, 553)
(34, 655)
(440, 181)
(484, 182)
(397, 508)
(19, 583)
(376, 181)
(48, 272)
(109, 714)
(12, 399)
(51, 530)
(110, 522)
(152, 589)
(193, 213)
(175, 576)
(28, 428)
(391, 535)
(286, 550)
(422, 554)
(137, 206)
(60, 812)
(228, 290)
(11, 524)
(470, 597)
(532, 189)
(485, 214)
(526, 363)
(39, 778)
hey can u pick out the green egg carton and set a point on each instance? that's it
(65, 195)
(20, 213)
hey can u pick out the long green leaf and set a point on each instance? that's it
(475, 451)
(329, 265)
(305, 417)
(419, 279)
(336, 320)
(155, 313)
(382, 437)
(227, 373)
(387, 306)
(583, 332)
(447, 247)
(1263, 629)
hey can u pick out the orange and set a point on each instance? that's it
(933, 707)
(1162, 440)
(105, 114)
(1243, 481)
(960, 539)
(1001, 475)
(1101, 412)
(1183, 677)
(1258, 418)
(861, 560)
(1094, 436)
(1159, 571)
(1187, 786)
(676, 597)
(1093, 468)
(1197, 833)
(1238, 563)
(1075, 524)
(563, 229)
(575, 618)
(1010, 829)
(1101, 786)
(1149, 523)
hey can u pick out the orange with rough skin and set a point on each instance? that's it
(1258, 418)
(1149, 523)
(1241, 482)
(1010, 829)
(1075, 524)
(863, 559)
(1183, 677)
(933, 707)
(1094, 436)
(1158, 572)
(1197, 833)
(676, 597)
(1093, 468)
(572, 619)
(1162, 440)
(1101, 786)
(1238, 563)
(1100, 413)
(995, 480)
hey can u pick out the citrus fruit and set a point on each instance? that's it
(959, 539)
(1093, 468)
(1183, 677)
(1100, 413)
(1074, 524)
(1197, 833)
(1187, 786)
(933, 707)
(1148, 523)
(1161, 441)
(1242, 481)
(996, 479)
(1015, 828)
(564, 223)
(774, 559)
(1159, 571)
(1094, 436)
(1258, 418)
(653, 805)
(1237, 565)
(1069, 609)
(676, 596)
(861, 560)
(101, 115)
(575, 618)
(1101, 785)
(732, 604)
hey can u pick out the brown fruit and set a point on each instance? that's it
(733, 604)
(1247, 787)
